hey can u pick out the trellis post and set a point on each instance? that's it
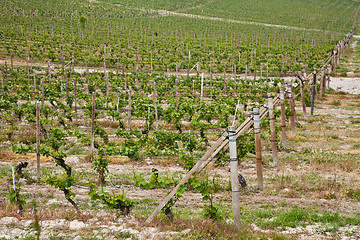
(235, 187)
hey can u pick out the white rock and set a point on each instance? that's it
(9, 220)
(186, 231)
(25, 223)
(131, 231)
(76, 225)
(72, 159)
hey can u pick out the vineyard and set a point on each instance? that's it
(119, 119)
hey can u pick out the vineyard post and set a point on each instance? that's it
(235, 187)
(211, 88)
(151, 64)
(246, 73)
(124, 76)
(292, 107)
(198, 70)
(106, 76)
(261, 70)
(11, 62)
(302, 96)
(167, 78)
(49, 72)
(272, 128)
(323, 83)
(13, 178)
(255, 73)
(177, 91)
(92, 127)
(146, 81)
(313, 94)
(188, 67)
(328, 80)
(87, 76)
(38, 141)
(234, 76)
(129, 110)
(267, 71)
(75, 102)
(3, 82)
(224, 81)
(202, 86)
(28, 71)
(156, 110)
(42, 94)
(259, 170)
(283, 117)
(5, 69)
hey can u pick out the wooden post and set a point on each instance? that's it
(28, 72)
(292, 107)
(177, 91)
(202, 87)
(129, 110)
(245, 73)
(224, 81)
(259, 169)
(198, 70)
(234, 176)
(313, 94)
(323, 83)
(255, 74)
(234, 76)
(75, 101)
(283, 117)
(156, 110)
(49, 72)
(272, 128)
(302, 97)
(267, 71)
(3, 82)
(211, 87)
(92, 127)
(188, 68)
(38, 141)
(42, 95)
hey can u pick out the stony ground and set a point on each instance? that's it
(319, 171)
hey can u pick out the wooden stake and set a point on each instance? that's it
(283, 117)
(202, 86)
(259, 168)
(302, 96)
(3, 82)
(211, 87)
(92, 127)
(224, 82)
(38, 141)
(129, 110)
(42, 95)
(75, 100)
(156, 110)
(313, 94)
(272, 128)
(234, 176)
(177, 91)
(292, 107)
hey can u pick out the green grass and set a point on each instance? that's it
(298, 216)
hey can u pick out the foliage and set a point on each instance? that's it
(114, 201)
